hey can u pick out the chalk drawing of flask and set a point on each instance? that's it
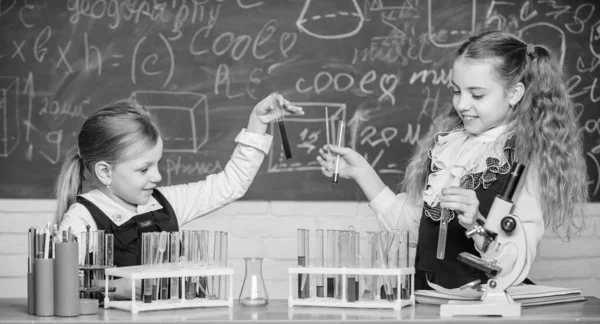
(330, 19)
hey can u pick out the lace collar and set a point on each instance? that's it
(466, 160)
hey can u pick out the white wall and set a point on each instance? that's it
(268, 229)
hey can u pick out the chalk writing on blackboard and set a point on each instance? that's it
(382, 66)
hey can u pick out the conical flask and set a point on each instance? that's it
(254, 292)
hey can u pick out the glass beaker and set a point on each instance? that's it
(254, 292)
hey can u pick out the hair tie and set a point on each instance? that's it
(531, 51)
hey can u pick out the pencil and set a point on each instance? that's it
(337, 158)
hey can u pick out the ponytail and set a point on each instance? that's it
(68, 184)
(549, 138)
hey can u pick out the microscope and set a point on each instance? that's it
(503, 257)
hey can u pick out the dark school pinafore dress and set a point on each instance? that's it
(128, 236)
(449, 272)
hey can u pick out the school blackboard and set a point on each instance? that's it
(200, 65)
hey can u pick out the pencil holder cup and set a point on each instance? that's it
(44, 287)
(31, 292)
(66, 279)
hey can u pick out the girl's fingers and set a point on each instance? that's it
(336, 149)
(326, 172)
(325, 162)
(293, 110)
(465, 221)
(457, 206)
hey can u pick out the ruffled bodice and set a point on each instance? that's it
(467, 161)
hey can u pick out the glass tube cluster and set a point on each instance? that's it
(348, 249)
(96, 254)
(187, 246)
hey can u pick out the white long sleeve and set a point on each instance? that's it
(396, 212)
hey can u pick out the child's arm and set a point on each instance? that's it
(397, 212)
(392, 211)
(194, 200)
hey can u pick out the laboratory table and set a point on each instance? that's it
(277, 311)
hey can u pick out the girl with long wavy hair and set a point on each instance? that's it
(510, 105)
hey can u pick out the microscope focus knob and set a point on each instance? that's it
(508, 224)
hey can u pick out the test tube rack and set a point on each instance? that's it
(397, 304)
(168, 270)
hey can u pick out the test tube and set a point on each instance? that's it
(174, 255)
(147, 243)
(192, 282)
(223, 279)
(85, 249)
(187, 257)
(331, 257)
(98, 255)
(98, 247)
(348, 262)
(162, 287)
(369, 257)
(356, 243)
(303, 261)
(386, 291)
(109, 249)
(441, 246)
(404, 260)
(338, 264)
(201, 258)
(394, 254)
(320, 260)
(216, 280)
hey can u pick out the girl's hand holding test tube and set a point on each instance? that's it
(351, 165)
(271, 108)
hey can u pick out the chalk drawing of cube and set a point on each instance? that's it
(183, 116)
(9, 115)
(304, 152)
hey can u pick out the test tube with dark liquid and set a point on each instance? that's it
(348, 262)
(330, 260)
(320, 259)
(147, 243)
(303, 257)
(356, 243)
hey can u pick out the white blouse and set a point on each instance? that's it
(189, 201)
(454, 155)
